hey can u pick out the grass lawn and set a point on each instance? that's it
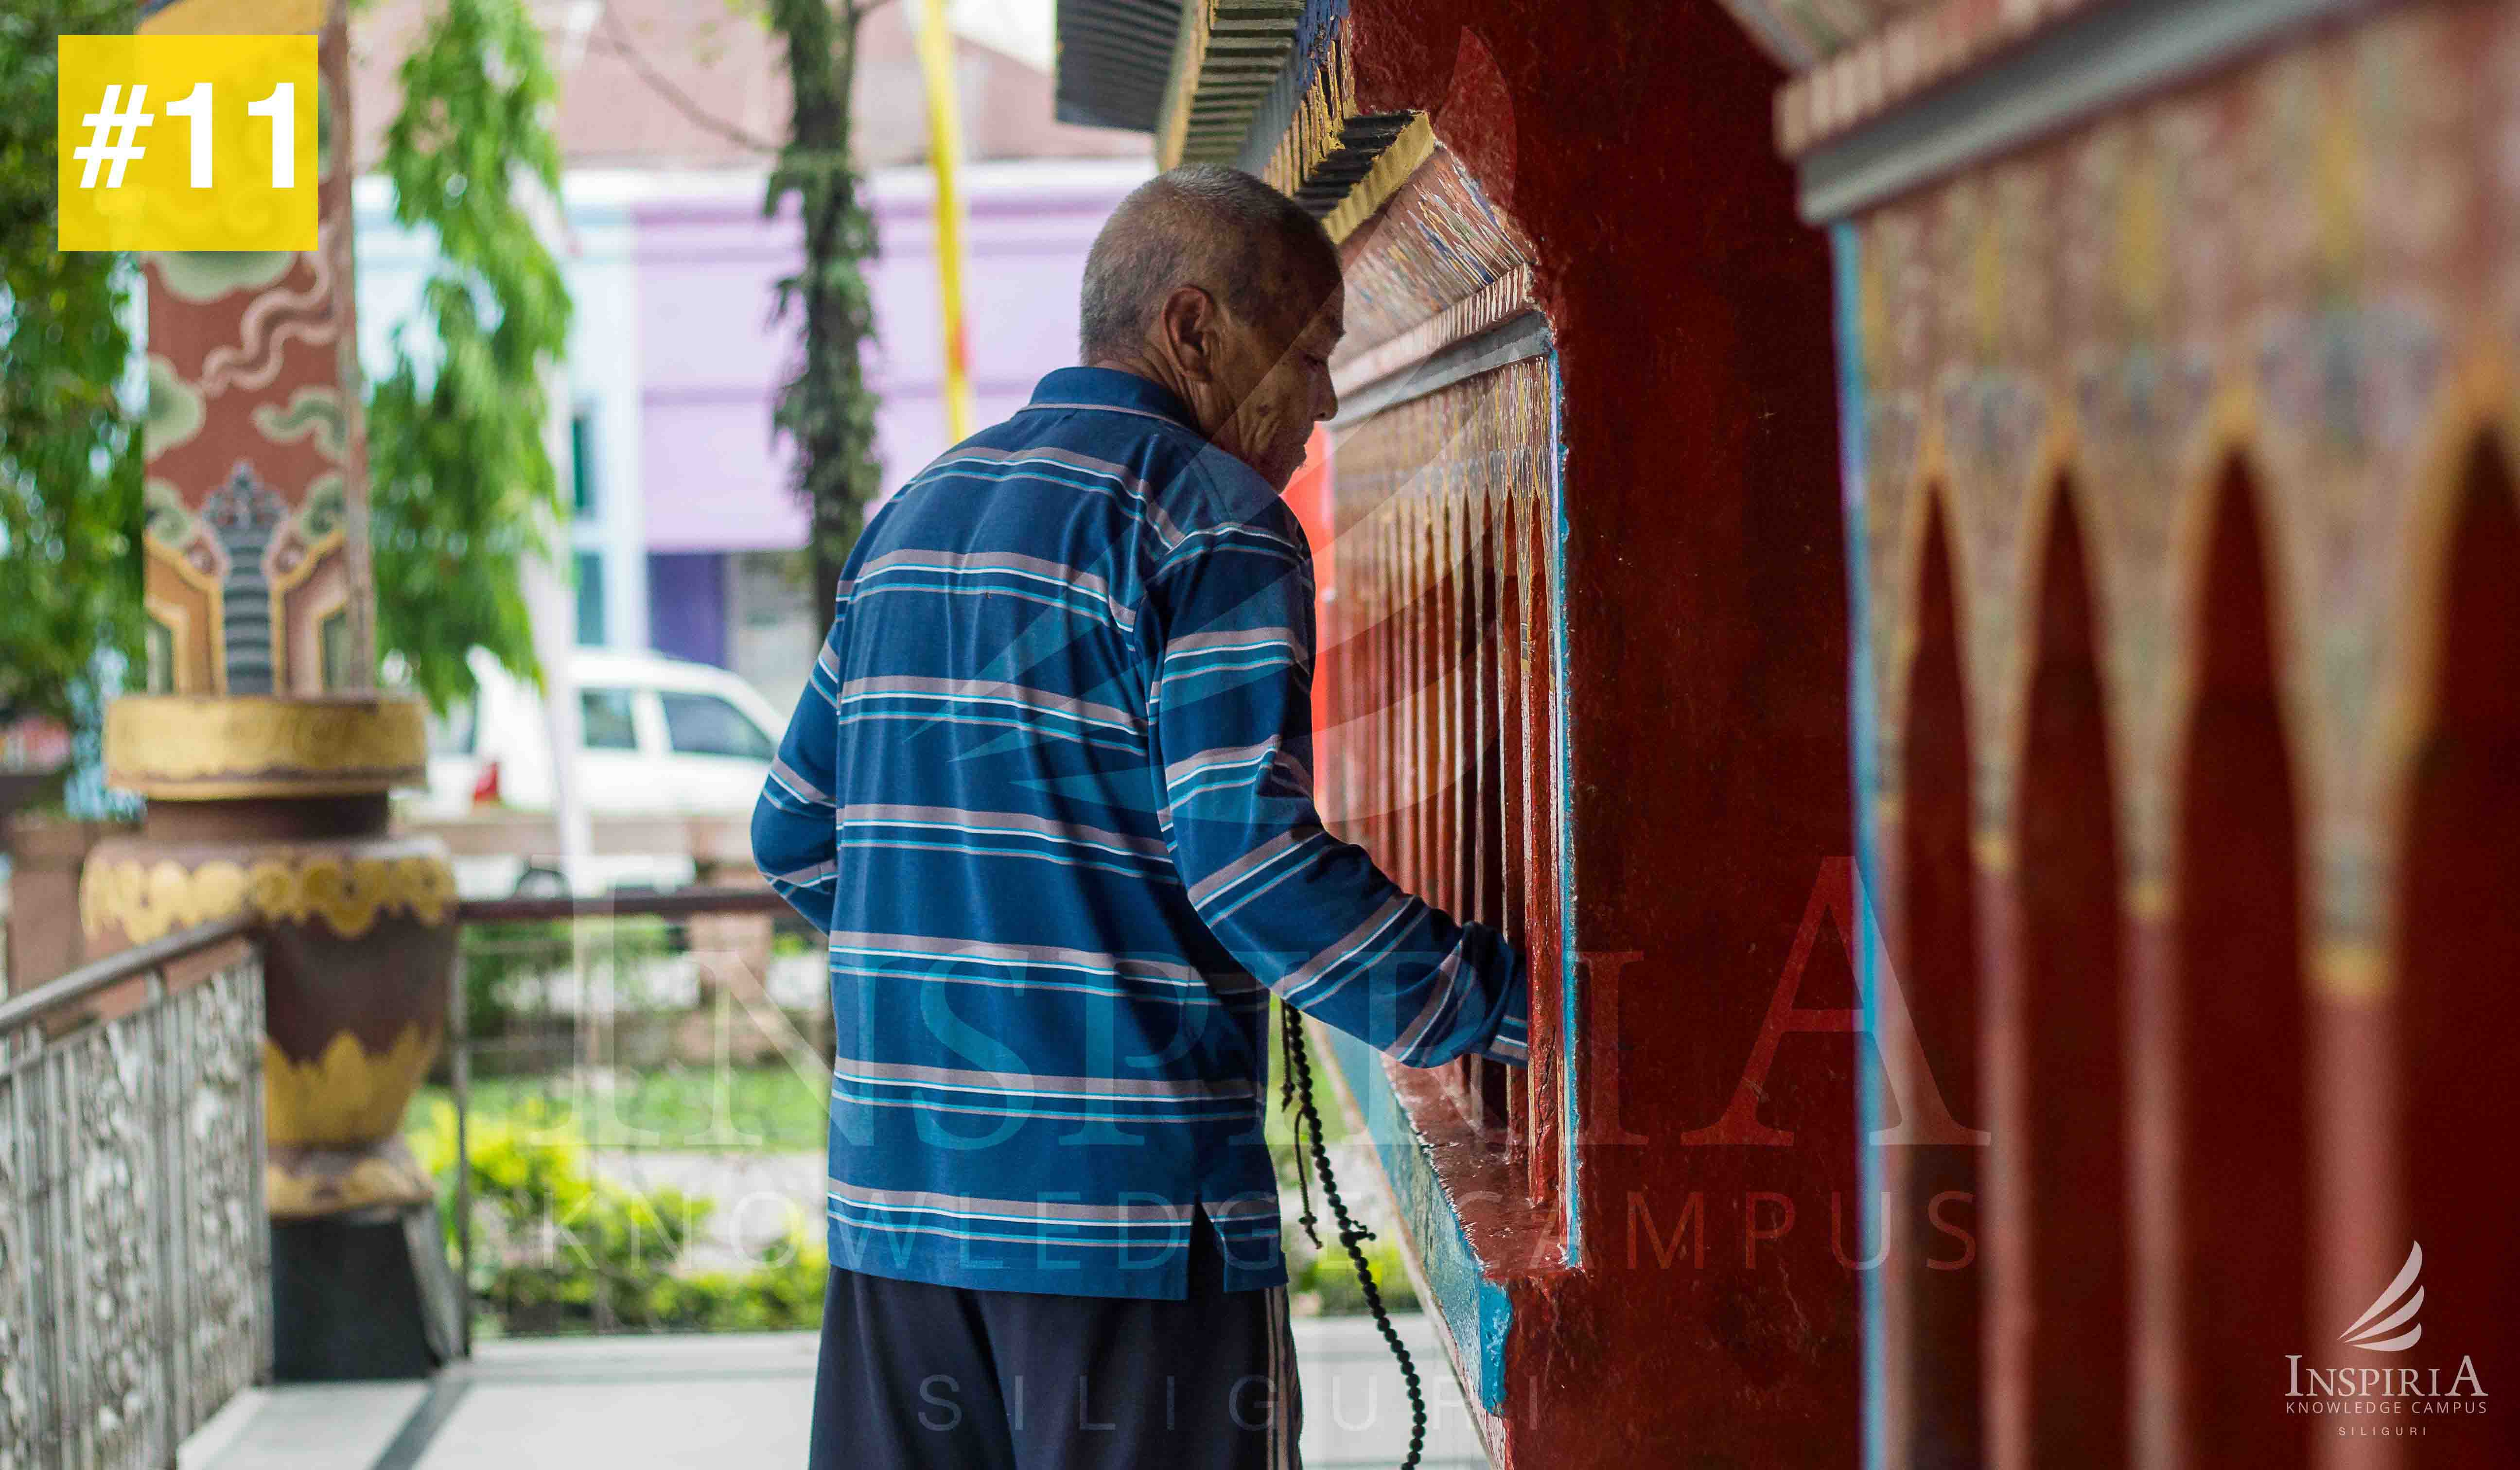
(766, 1108)
(760, 1109)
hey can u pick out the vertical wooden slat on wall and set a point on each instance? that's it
(2456, 1012)
(2058, 1370)
(2220, 1297)
(1539, 835)
(1443, 881)
(1391, 775)
(1413, 775)
(1933, 1403)
(1445, 500)
(1483, 853)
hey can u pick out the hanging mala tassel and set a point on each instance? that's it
(1290, 1042)
(1352, 1236)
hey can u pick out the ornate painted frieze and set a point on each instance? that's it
(1443, 263)
(2300, 271)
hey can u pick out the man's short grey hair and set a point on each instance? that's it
(1202, 225)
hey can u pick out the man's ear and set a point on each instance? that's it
(1186, 324)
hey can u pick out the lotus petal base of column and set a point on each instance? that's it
(300, 1182)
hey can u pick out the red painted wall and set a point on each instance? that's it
(1308, 495)
(1706, 628)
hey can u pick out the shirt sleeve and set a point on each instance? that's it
(1310, 915)
(794, 824)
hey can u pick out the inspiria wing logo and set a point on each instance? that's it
(2396, 1401)
(2406, 1296)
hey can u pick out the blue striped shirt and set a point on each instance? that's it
(1048, 792)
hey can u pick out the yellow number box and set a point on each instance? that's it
(188, 142)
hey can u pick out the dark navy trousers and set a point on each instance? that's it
(915, 1376)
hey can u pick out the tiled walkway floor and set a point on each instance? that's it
(717, 1402)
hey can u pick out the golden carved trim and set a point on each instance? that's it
(334, 603)
(1391, 170)
(1321, 116)
(309, 562)
(244, 787)
(188, 672)
(1507, 297)
(327, 1183)
(161, 550)
(150, 899)
(348, 1095)
(193, 745)
(177, 620)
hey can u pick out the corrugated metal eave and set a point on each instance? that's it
(1115, 58)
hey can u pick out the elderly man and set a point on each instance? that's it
(1050, 793)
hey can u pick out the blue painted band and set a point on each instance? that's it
(1477, 1314)
(1570, 1014)
(1864, 713)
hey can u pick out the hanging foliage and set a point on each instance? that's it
(69, 445)
(826, 407)
(462, 490)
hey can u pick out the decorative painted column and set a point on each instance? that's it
(267, 753)
(2185, 337)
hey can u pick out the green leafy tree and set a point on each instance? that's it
(826, 407)
(69, 446)
(464, 493)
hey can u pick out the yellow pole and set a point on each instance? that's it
(944, 152)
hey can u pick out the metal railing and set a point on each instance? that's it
(600, 1006)
(135, 1257)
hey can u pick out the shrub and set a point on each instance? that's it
(1324, 1282)
(559, 1249)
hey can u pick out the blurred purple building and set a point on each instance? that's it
(686, 531)
(715, 489)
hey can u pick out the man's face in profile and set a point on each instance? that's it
(1279, 373)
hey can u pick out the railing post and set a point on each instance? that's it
(166, 1135)
(258, 1209)
(460, 1029)
(55, 1242)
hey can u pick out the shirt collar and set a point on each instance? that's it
(1111, 389)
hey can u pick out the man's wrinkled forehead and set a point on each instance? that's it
(1314, 301)
(1330, 317)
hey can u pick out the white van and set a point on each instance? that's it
(658, 736)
